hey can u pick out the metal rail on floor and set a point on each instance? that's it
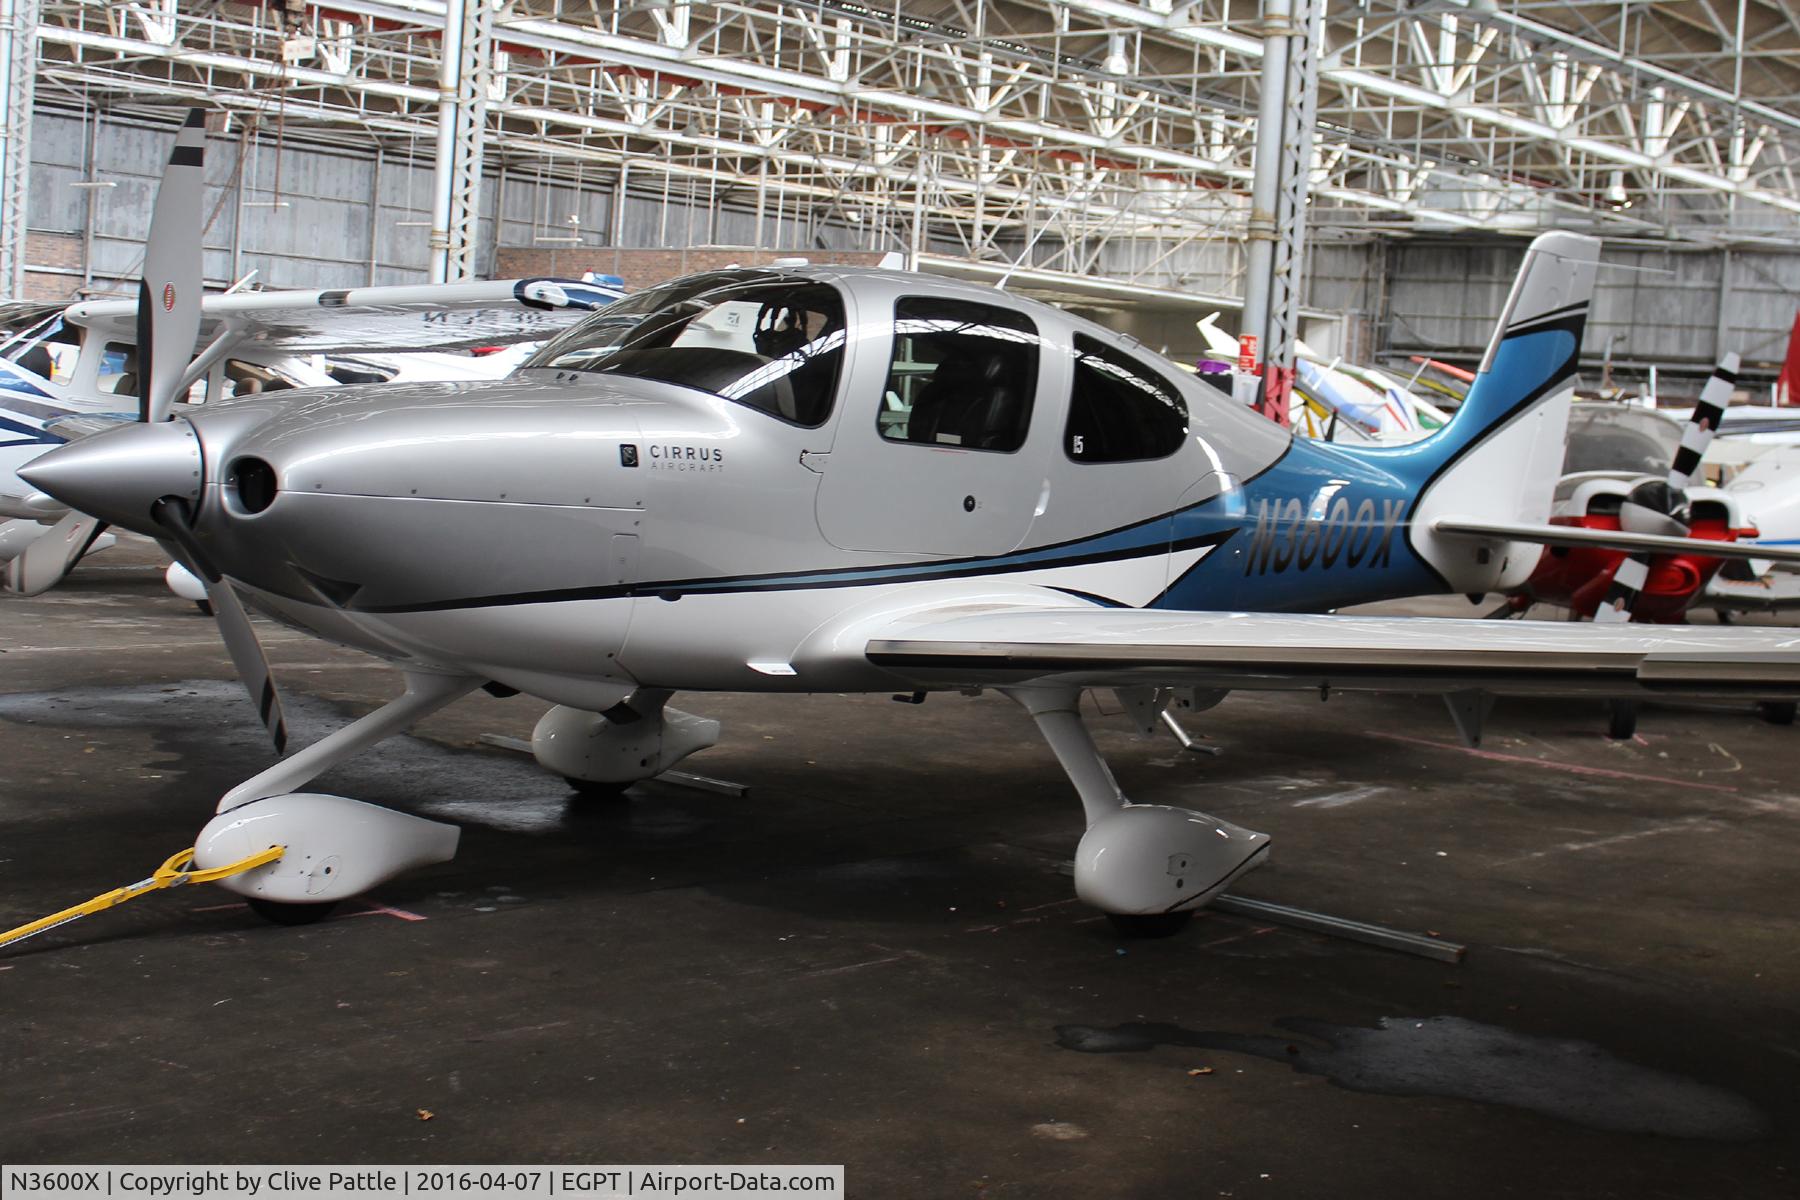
(1421, 945)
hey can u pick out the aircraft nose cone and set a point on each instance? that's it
(119, 474)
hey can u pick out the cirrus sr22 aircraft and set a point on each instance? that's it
(835, 479)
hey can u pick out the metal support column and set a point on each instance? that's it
(1275, 254)
(463, 82)
(18, 59)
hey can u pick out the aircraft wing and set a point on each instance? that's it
(1111, 647)
(440, 316)
(1609, 539)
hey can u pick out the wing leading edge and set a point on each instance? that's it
(1270, 651)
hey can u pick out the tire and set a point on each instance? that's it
(1621, 721)
(1777, 712)
(1150, 925)
(597, 789)
(205, 607)
(282, 913)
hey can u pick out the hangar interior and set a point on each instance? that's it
(1060, 142)
(852, 939)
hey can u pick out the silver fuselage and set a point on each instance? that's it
(495, 528)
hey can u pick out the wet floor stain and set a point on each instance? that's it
(212, 721)
(1564, 1078)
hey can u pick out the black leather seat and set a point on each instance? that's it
(969, 402)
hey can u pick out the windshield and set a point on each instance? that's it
(1613, 437)
(613, 323)
(774, 346)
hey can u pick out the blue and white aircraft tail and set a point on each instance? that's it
(1329, 525)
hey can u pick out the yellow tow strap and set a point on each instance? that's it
(173, 873)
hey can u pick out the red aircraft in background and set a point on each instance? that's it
(1657, 588)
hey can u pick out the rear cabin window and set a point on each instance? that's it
(962, 374)
(1119, 409)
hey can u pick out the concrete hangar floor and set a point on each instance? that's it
(874, 958)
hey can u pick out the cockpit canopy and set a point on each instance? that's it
(963, 365)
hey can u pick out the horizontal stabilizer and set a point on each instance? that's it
(1577, 537)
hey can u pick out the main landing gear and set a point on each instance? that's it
(1147, 866)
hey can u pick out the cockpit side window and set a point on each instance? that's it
(252, 379)
(119, 369)
(777, 347)
(962, 374)
(1119, 409)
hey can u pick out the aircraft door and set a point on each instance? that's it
(937, 451)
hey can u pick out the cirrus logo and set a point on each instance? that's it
(669, 457)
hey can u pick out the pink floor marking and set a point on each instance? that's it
(1571, 768)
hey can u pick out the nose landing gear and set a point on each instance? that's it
(601, 754)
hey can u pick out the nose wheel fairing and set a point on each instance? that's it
(638, 738)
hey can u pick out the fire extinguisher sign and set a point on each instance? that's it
(1247, 361)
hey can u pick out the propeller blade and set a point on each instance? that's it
(1628, 580)
(48, 558)
(234, 623)
(247, 655)
(168, 313)
(1627, 586)
(1701, 427)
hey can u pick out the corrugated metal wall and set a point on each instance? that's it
(316, 217)
(1651, 306)
(306, 216)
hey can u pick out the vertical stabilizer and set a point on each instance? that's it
(1501, 455)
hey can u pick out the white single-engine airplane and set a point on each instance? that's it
(838, 479)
